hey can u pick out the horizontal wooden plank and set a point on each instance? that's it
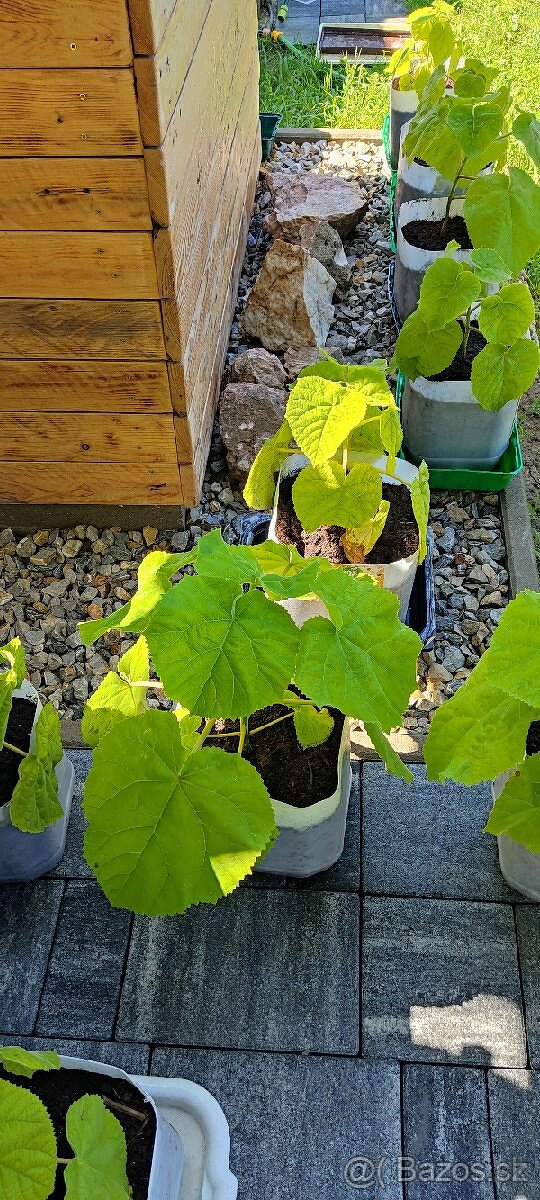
(87, 437)
(79, 113)
(93, 329)
(108, 266)
(67, 193)
(161, 77)
(66, 483)
(149, 20)
(30, 385)
(64, 33)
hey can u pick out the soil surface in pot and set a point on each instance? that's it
(293, 775)
(59, 1089)
(461, 367)
(533, 738)
(19, 728)
(428, 235)
(399, 537)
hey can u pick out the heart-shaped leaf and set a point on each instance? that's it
(502, 213)
(326, 495)
(507, 315)
(360, 539)
(322, 413)
(99, 1144)
(34, 801)
(260, 485)
(526, 128)
(503, 373)
(447, 291)
(13, 654)
(19, 1061)
(516, 812)
(27, 1145)
(119, 695)
(154, 579)
(474, 125)
(423, 351)
(420, 504)
(313, 726)
(489, 266)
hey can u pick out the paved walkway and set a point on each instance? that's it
(388, 1009)
(302, 24)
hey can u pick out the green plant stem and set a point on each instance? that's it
(451, 197)
(243, 734)
(466, 331)
(238, 732)
(15, 749)
(146, 683)
(63, 1162)
(208, 726)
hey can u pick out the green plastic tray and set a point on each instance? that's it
(385, 133)
(454, 479)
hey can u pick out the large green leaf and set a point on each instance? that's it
(19, 1061)
(99, 1145)
(482, 730)
(13, 654)
(362, 660)
(423, 351)
(259, 489)
(154, 579)
(526, 128)
(325, 495)
(474, 125)
(360, 539)
(385, 751)
(27, 1145)
(313, 726)
(391, 432)
(502, 212)
(322, 413)
(503, 373)
(516, 812)
(431, 139)
(118, 695)
(448, 289)
(168, 829)
(420, 504)
(34, 802)
(489, 266)
(219, 650)
(507, 315)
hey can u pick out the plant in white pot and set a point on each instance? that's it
(431, 44)
(490, 730)
(36, 778)
(467, 359)
(459, 136)
(341, 492)
(181, 805)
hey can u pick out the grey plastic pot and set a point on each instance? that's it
(311, 839)
(412, 262)
(168, 1156)
(519, 866)
(403, 106)
(26, 856)
(444, 423)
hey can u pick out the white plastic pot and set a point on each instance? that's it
(412, 262)
(444, 423)
(26, 856)
(202, 1125)
(311, 839)
(519, 866)
(403, 106)
(418, 182)
(167, 1159)
(396, 577)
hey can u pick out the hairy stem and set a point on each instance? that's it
(15, 749)
(145, 683)
(451, 197)
(243, 734)
(466, 332)
(208, 726)
(237, 733)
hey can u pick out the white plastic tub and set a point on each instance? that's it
(412, 262)
(396, 577)
(26, 856)
(444, 423)
(311, 839)
(403, 106)
(202, 1125)
(519, 866)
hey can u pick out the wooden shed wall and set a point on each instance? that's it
(130, 150)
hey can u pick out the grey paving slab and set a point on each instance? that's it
(73, 865)
(343, 10)
(446, 1144)
(528, 930)
(302, 30)
(514, 1099)
(28, 915)
(441, 982)
(344, 876)
(381, 10)
(300, 1125)
(129, 1056)
(274, 970)
(422, 839)
(83, 980)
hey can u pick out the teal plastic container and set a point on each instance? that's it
(269, 124)
(385, 132)
(454, 479)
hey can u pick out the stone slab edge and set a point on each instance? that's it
(518, 537)
(293, 134)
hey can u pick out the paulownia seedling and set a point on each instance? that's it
(34, 801)
(431, 44)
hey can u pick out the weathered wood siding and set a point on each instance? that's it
(130, 148)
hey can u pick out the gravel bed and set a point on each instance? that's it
(53, 578)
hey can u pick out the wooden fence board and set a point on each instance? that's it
(81, 112)
(87, 437)
(28, 385)
(59, 483)
(162, 77)
(64, 33)
(93, 329)
(68, 193)
(149, 20)
(108, 266)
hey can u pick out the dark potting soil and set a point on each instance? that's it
(460, 367)
(59, 1089)
(399, 537)
(428, 235)
(19, 728)
(291, 774)
(533, 738)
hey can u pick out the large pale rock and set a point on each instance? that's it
(290, 302)
(258, 366)
(324, 243)
(249, 414)
(298, 198)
